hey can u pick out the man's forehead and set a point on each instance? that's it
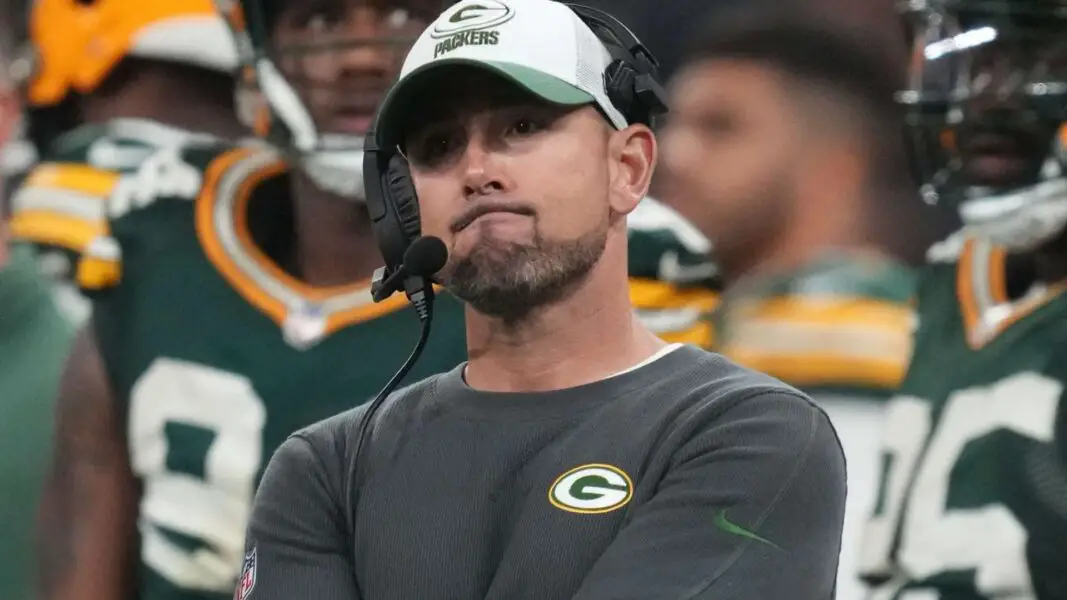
(724, 80)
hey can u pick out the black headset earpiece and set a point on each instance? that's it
(632, 79)
(391, 202)
(405, 200)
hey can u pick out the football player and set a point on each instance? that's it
(232, 306)
(110, 82)
(973, 495)
(777, 148)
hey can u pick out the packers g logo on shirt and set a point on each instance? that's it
(591, 489)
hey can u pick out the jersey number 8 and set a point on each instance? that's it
(196, 440)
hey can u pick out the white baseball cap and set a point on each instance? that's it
(540, 45)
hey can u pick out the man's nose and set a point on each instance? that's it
(371, 51)
(482, 174)
(997, 83)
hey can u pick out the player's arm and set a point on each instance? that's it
(87, 516)
(297, 544)
(751, 508)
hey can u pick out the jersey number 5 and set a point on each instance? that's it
(934, 538)
(196, 440)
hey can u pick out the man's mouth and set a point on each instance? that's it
(998, 160)
(354, 113)
(487, 212)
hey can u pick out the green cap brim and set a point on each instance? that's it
(393, 109)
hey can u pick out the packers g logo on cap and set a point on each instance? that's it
(467, 17)
(591, 489)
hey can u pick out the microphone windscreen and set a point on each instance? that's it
(425, 257)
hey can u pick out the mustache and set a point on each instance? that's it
(481, 209)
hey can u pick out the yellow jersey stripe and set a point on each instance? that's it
(82, 179)
(829, 370)
(56, 229)
(650, 294)
(828, 341)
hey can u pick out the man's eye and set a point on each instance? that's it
(433, 149)
(525, 126)
(319, 16)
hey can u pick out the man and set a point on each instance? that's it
(575, 455)
(799, 123)
(33, 342)
(112, 82)
(974, 477)
(232, 306)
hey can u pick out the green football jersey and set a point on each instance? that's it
(972, 502)
(840, 325)
(216, 354)
(60, 204)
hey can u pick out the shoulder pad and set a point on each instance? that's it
(653, 215)
(166, 173)
(664, 246)
(62, 204)
(73, 145)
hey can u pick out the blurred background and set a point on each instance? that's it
(785, 230)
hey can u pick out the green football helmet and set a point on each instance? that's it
(986, 113)
(314, 72)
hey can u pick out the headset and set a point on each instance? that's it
(632, 84)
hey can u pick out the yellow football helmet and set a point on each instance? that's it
(77, 43)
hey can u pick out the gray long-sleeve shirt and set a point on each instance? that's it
(687, 478)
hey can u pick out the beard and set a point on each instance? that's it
(508, 280)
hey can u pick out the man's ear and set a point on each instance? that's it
(633, 154)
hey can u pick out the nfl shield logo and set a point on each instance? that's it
(247, 581)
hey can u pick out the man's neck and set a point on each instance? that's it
(589, 336)
(192, 113)
(807, 239)
(335, 243)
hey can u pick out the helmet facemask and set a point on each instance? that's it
(986, 104)
(320, 68)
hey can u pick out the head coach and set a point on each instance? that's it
(575, 455)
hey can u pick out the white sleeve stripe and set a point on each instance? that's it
(84, 207)
(791, 338)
